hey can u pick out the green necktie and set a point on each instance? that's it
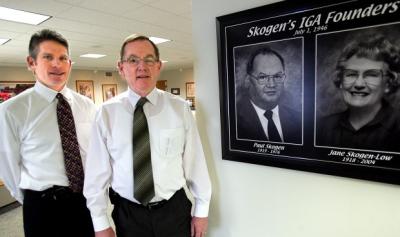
(142, 170)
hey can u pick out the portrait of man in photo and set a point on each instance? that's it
(262, 111)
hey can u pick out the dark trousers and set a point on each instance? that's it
(169, 219)
(56, 212)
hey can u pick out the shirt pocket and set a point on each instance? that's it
(83, 134)
(171, 142)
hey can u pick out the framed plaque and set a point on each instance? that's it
(313, 86)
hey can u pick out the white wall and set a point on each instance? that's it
(252, 200)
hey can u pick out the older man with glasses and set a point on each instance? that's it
(367, 72)
(146, 147)
(260, 115)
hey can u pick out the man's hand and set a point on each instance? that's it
(109, 232)
(199, 226)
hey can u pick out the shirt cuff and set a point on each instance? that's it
(100, 223)
(18, 196)
(20, 199)
(201, 208)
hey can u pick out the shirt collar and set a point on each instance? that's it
(261, 111)
(152, 97)
(50, 94)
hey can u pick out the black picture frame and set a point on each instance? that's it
(309, 36)
(176, 91)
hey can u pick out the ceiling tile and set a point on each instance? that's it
(161, 18)
(177, 7)
(41, 7)
(111, 7)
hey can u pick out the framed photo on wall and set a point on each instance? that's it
(109, 91)
(313, 86)
(190, 89)
(9, 89)
(176, 91)
(85, 88)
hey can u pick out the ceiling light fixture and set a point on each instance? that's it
(9, 14)
(92, 55)
(157, 40)
(3, 41)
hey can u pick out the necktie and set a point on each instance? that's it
(143, 174)
(273, 134)
(69, 142)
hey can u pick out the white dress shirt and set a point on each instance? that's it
(176, 153)
(31, 155)
(264, 121)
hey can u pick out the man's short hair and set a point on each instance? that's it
(263, 51)
(373, 47)
(45, 35)
(133, 38)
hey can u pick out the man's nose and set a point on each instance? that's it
(141, 64)
(56, 62)
(270, 82)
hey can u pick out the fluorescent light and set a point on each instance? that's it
(157, 40)
(92, 55)
(3, 41)
(9, 14)
(164, 61)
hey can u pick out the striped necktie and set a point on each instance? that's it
(143, 174)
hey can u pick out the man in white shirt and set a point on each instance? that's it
(176, 152)
(32, 150)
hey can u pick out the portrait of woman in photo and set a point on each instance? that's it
(366, 77)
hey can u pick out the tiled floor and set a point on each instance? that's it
(11, 221)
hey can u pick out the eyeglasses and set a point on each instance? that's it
(149, 61)
(264, 78)
(49, 58)
(370, 76)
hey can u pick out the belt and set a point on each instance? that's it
(54, 193)
(116, 198)
(154, 205)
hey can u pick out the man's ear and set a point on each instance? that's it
(31, 64)
(159, 65)
(120, 68)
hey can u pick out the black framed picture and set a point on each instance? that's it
(176, 91)
(313, 86)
